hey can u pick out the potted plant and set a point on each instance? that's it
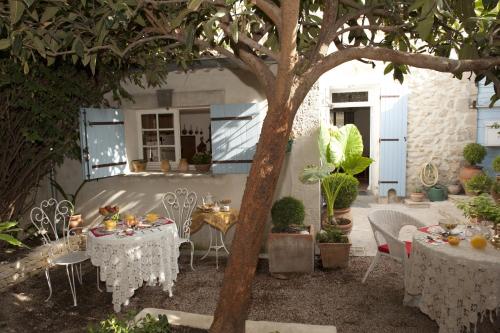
(496, 166)
(340, 150)
(495, 192)
(478, 184)
(202, 161)
(474, 154)
(290, 244)
(417, 195)
(334, 247)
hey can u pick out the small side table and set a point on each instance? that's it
(219, 224)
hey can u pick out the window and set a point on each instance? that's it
(159, 136)
(349, 97)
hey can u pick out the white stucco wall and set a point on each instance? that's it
(141, 193)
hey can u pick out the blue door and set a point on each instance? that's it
(235, 134)
(393, 126)
(102, 140)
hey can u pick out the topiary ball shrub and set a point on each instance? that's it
(478, 184)
(496, 164)
(474, 153)
(287, 212)
(348, 192)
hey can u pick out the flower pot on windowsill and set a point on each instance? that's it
(202, 167)
(139, 165)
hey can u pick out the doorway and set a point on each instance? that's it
(359, 116)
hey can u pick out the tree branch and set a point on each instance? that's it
(271, 10)
(262, 72)
(249, 42)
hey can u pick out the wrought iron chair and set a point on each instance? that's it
(51, 220)
(179, 206)
(386, 226)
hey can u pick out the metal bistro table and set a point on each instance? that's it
(219, 223)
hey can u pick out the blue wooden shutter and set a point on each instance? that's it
(102, 138)
(486, 117)
(235, 134)
(393, 126)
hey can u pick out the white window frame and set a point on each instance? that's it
(177, 135)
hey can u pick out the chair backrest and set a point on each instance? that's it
(179, 206)
(51, 220)
(387, 224)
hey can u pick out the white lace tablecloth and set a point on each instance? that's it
(125, 263)
(457, 286)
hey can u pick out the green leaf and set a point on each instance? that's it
(11, 240)
(49, 13)
(39, 46)
(78, 47)
(93, 63)
(490, 4)
(356, 164)
(17, 8)
(388, 68)
(4, 43)
(323, 144)
(234, 30)
(26, 68)
(28, 2)
(345, 143)
(7, 225)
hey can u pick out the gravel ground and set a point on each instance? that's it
(324, 297)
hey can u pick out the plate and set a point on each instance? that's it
(103, 230)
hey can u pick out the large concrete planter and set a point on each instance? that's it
(291, 253)
(335, 255)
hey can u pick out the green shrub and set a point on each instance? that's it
(474, 153)
(148, 324)
(496, 164)
(495, 187)
(478, 184)
(347, 193)
(201, 158)
(331, 235)
(481, 207)
(287, 212)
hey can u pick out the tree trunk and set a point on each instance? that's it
(234, 298)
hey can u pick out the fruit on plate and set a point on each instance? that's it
(152, 217)
(110, 225)
(453, 240)
(478, 242)
(108, 210)
(130, 220)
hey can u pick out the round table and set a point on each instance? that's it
(219, 222)
(457, 286)
(126, 262)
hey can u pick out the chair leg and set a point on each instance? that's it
(79, 274)
(192, 254)
(98, 280)
(71, 280)
(372, 266)
(48, 282)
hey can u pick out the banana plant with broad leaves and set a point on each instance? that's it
(340, 150)
(6, 229)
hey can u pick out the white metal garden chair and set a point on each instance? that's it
(179, 206)
(386, 226)
(51, 220)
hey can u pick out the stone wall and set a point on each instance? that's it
(34, 262)
(440, 123)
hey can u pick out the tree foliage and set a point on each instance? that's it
(39, 124)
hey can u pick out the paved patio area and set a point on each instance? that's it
(362, 235)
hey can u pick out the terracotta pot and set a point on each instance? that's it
(334, 255)
(417, 196)
(183, 165)
(454, 188)
(75, 221)
(138, 166)
(291, 253)
(343, 212)
(165, 166)
(202, 167)
(467, 172)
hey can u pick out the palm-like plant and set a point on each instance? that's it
(6, 228)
